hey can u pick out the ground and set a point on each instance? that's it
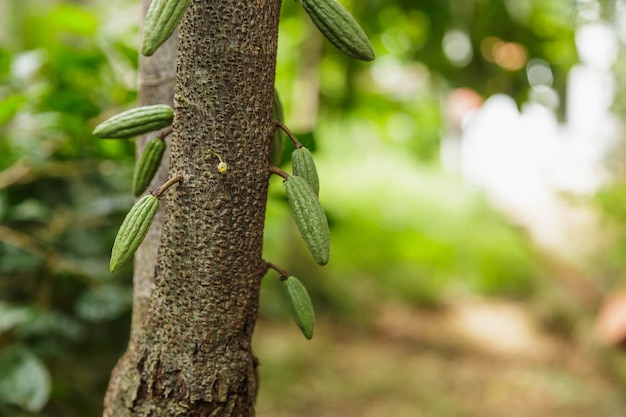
(473, 359)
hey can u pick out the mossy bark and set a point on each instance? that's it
(193, 355)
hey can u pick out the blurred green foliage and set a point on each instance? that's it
(61, 196)
(611, 258)
(400, 228)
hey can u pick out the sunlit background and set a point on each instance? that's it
(473, 177)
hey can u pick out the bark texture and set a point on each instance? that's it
(193, 356)
(157, 75)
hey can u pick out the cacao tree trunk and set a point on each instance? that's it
(157, 76)
(191, 355)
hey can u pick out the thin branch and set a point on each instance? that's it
(163, 188)
(283, 274)
(166, 132)
(14, 174)
(293, 138)
(22, 241)
(22, 173)
(278, 171)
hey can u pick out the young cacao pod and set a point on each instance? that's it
(133, 230)
(147, 165)
(303, 166)
(135, 122)
(161, 21)
(300, 305)
(278, 142)
(340, 28)
(309, 217)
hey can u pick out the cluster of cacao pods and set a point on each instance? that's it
(302, 190)
(125, 125)
(302, 187)
(332, 19)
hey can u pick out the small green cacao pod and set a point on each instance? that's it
(278, 142)
(340, 28)
(135, 122)
(303, 166)
(133, 230)
(147, 165)
(301, 305)
(309, 217)
(161, 21)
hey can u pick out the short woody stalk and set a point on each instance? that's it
(163, 188)
(166, 132)
(279, 172)
(289, 133)
(283, 274)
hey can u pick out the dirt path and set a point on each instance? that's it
(476, 359)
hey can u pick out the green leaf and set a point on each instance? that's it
(13, 316)
(72, 19)
(9, 106)
(24, 380)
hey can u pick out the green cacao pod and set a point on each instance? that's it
(340, 28)
(303, 166)
(309, 217)
(278, 142)
(161, 21)
(133, 230)
(135, 122)
(300, 305)
(147, 165)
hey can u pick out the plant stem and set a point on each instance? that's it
(278, 171)
(166, 132)
(163, 188)
(293, 138)
(283, 274)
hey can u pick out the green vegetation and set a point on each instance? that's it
(63, 315)
(402, 232)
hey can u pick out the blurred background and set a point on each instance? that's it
(474, 179)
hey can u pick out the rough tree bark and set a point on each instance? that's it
(157, 76)
(156, 86)
(192, 355)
